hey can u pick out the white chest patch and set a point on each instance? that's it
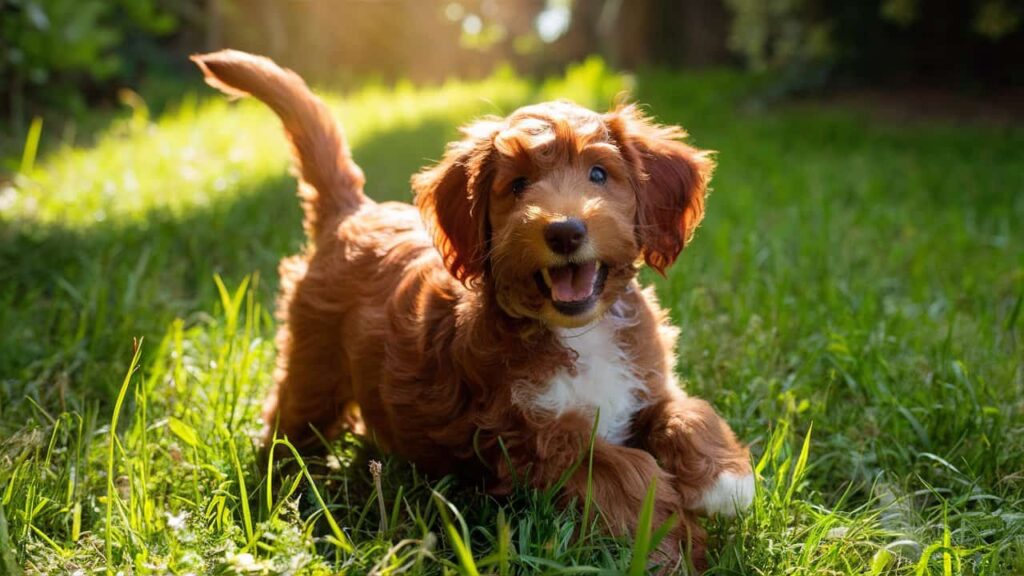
(603, 384)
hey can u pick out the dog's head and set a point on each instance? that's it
(556, 205)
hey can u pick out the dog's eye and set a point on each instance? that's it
(598, 175)
(519, 185)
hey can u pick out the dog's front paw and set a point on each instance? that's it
(729, 495)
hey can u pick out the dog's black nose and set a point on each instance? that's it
(565, 237)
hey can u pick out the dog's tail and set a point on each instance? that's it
(331, 185)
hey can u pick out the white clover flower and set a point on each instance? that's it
(176, 522)
(245, 562)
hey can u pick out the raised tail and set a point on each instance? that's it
(331, 185)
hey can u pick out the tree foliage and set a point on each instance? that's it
(51, 49)
(944, 40)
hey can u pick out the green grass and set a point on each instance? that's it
(860, 275)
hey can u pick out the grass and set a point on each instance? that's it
(863, 276)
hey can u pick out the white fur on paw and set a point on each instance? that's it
(730, 495)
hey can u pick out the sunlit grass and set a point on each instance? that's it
(861, 276)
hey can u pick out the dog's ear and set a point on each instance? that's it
(670, 179)
(452, 197)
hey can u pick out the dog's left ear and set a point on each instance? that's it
(670, 179)
(452, 197)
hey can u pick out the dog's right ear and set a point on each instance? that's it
(452, 197)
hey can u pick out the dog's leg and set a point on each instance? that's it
(312, 378)
(619, 480)
(616, 480)
(692, 442)
(304, 405)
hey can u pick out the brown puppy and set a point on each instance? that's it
(503, 316)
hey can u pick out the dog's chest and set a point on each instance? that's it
(603, 384)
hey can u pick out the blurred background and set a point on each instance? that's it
(68, 55)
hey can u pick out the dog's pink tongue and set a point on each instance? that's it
(573, 283)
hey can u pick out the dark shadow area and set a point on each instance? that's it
(389, 159)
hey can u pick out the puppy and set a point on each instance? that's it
(493, 328)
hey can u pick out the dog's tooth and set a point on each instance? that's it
(546, 275)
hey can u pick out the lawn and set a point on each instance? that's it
(852, 304)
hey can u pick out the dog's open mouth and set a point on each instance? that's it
(573, 288)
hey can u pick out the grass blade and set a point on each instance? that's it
(460, 543)
(642, 539)
(7, 547)
(340, 540)
(504, 538)
(1011, 320)
(243, 492)
(111, 489)
(589, 496)
(801, 465)
(28, 155)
